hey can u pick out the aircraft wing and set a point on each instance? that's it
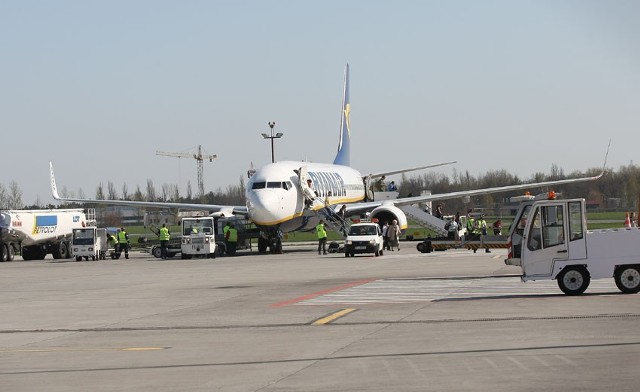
(389, 173)
(216, 208)
(358, 208)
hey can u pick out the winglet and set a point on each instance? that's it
(604, 166)
(54, 189)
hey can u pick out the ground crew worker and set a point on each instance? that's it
(164, 240)
(482, 226)
(123, 243)
(111, 241)
(232, 239)
(322, 237)
(471, 228)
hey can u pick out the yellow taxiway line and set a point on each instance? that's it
(333, 316)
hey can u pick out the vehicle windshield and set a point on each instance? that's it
(197, 226)
(362, 230)
(83, 236)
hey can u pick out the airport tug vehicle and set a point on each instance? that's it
(198, 238)
(90, 243)
(549, 240)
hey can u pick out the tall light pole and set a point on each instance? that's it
(272, 136)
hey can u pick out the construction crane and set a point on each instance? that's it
(198, 157)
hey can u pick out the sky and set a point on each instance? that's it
(97, 87)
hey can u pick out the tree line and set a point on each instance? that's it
(622, 185)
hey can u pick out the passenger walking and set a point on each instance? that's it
(393, 232)
(438, 213)
(322, 237)
(452, 229)
(164, 240)
(385, 236)
(497, 227)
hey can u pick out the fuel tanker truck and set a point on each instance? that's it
(36, 233)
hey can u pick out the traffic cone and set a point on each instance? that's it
(627, 221)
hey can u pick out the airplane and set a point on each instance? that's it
(290, 196)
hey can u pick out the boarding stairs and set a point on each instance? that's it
(425, 219)
(333, 220)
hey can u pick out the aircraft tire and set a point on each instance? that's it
(262, 245)
(627, 279)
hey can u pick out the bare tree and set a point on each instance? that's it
(151, 191)
(3, 197)
(81, 194)
(15, 196)
(189, 191)
(166, 191)
(174, 193)
(138, 195)
(100, 192)
(112, 194)
(125, 192)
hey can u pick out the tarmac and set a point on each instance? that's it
(405, 321)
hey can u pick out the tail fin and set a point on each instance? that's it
(344, 157)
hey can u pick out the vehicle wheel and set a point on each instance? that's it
(627, 279)
(157, 252)
(58, 251)
(420, 247)
(66, 253)
(221, 250)
(4, 256)
(78, 258)
(573, 280)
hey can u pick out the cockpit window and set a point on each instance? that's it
(272, 184)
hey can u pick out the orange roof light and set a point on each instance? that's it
(552, 195)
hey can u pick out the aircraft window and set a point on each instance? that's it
(259, 185)
(272, 184)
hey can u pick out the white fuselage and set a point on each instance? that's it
(275, 196)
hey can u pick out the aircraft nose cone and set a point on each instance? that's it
(265, 207)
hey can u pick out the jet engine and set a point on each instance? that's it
(389, 212)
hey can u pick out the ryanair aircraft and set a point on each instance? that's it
(291, 196)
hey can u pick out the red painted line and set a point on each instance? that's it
(319, 293)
